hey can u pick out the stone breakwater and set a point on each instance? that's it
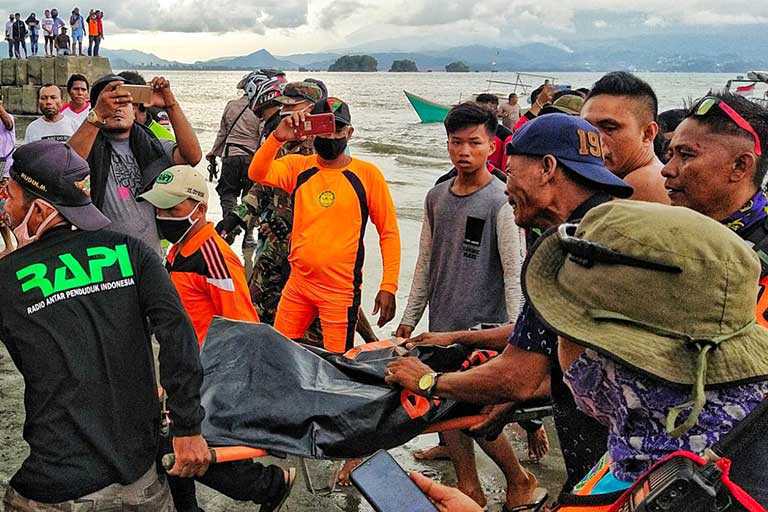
(20, 79)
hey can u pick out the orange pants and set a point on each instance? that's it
(301, 302)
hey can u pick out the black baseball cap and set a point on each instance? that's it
(53, 172)
(576, 145)
(336, 107)
(100, 84)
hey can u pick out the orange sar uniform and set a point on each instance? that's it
(210, 280)
(331, 207)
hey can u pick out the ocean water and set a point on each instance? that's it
(388, 133)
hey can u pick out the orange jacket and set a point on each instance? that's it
(210, 280)
(331, 209)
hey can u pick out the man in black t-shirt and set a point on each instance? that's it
(79, 305)
(555, 174)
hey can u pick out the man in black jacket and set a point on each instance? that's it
(125, 157)
(19, 35)
(80, 304)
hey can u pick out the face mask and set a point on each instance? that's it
(174, 229)
(22, 232)
(329, 149)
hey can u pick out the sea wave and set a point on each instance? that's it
(384, 148)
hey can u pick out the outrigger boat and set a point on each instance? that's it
(433, 112)
(746, 86)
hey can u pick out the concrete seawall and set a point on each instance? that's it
(20, 79)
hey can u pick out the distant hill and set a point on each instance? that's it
(712, 50)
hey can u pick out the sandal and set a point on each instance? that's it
(275, 506)
(540, 497)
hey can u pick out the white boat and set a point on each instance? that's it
(748, 87)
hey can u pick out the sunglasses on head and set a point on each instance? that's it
(586, 253)
(705, 106)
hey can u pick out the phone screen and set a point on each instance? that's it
(387, 487)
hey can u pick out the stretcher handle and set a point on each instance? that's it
(462, 423)
(222, 454)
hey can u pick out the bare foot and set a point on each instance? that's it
(521, 492)
(435, 453)
(342, 478)
(477, 495)
(538, 444)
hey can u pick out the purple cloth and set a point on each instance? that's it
(7, 144)
(755, 210)
(634, 406)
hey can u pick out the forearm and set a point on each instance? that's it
(6, 119)
(82, 140)
(514, 376)
(188, 145)
(491, 339)
(264, 159)
(390, 256)
(511, 242)
(418, 296)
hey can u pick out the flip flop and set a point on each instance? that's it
(540, 497)
(276, 505)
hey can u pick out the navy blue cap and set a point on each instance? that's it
(576, 145)
(53, 172)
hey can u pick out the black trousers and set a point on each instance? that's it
(241, 481)
(233, 182)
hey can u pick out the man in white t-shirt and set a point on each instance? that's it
(78, 106)
(53, 125)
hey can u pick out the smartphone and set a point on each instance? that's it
(387, 487)
(317, 124)
(140, 93)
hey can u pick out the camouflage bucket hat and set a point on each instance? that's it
(661, 289)
(296, 92)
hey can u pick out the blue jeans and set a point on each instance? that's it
(93, 45)
(33, 44)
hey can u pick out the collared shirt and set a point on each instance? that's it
(210, 280)
(582, 439)
(239, 130)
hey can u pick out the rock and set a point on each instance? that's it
(91, 67)
(35, 71)
(12, 98)
(47, 74)
(21, 72)
(29, 101)
(8, 71)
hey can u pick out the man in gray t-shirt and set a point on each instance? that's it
(468, 271)
(125, 157)
(124, 184)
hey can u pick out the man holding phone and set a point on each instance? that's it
(334, 193)
(125, 157)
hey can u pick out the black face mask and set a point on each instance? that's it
(174, 230)
(329, 149)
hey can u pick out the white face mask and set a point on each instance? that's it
(22, 231)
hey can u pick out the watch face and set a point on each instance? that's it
(426, 381)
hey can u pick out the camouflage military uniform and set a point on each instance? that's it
(274, 219)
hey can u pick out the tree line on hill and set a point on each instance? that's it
(366, 63)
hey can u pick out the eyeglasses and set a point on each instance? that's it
(587, 253)
(706, 104)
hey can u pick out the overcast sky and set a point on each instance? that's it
(189, 30)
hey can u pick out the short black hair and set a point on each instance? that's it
(465, 115)
(621, 83)
(512, 95)
(669, 120)
(718, 122)
(77, 77)
(487, 98)
(132, 78)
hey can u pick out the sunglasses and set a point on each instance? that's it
(705, 106)
(587, 253)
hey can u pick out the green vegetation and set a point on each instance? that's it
(355, 63)
(457, 67)
(403, 66)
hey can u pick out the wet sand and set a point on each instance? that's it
(549, 471)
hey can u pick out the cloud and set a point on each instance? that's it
(191, 15)
(708, 17)
(338, 10)
(600, 23)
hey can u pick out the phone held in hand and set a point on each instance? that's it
(317, 124)
(140, 94)
(388, 488)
